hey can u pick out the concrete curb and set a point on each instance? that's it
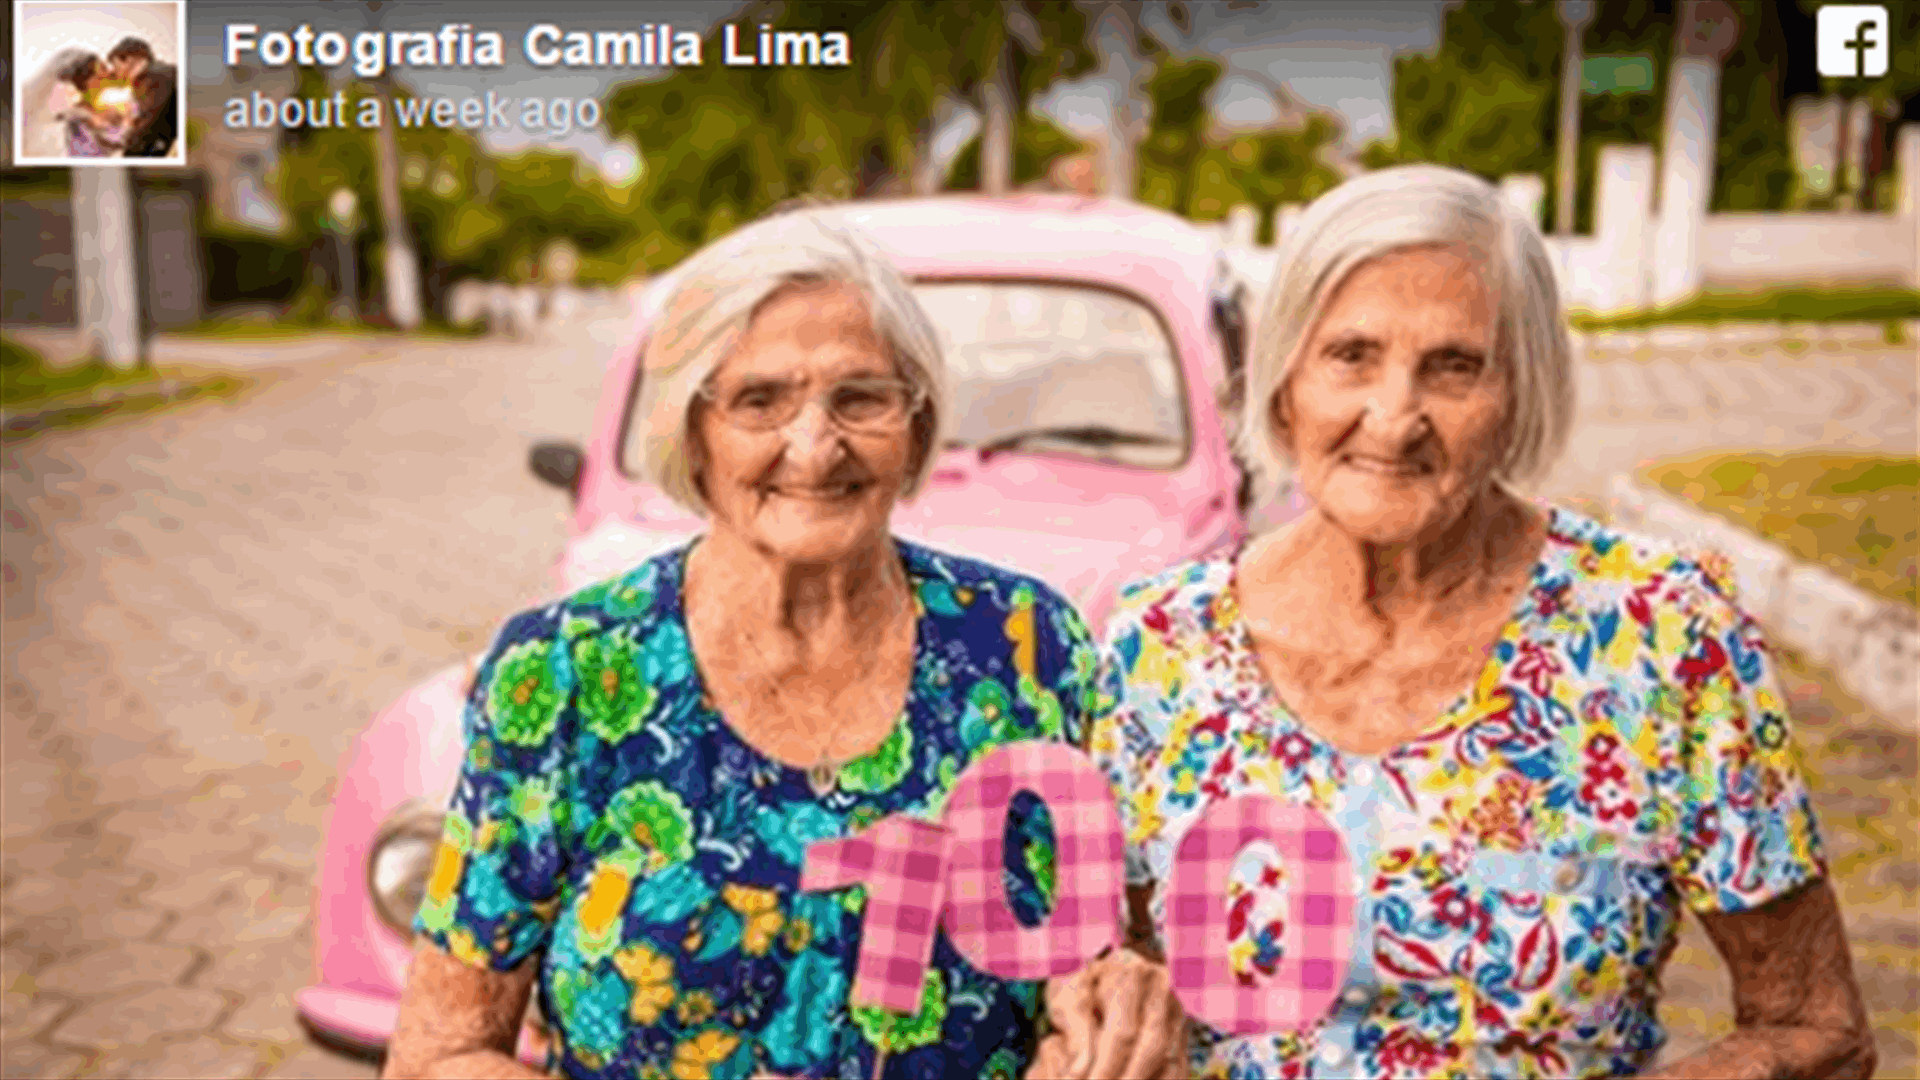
(1833, 334)
(1870, 643)
(22, 425)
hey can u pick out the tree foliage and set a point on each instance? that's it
(472, 214)
(1037, 143)
(1485, 101)
(1753, 161)
(1200, 174)
(723, 145)
(1488, 100)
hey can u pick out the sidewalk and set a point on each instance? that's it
(66, 347)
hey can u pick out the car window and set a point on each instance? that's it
(1047, 367)
(1059, 368)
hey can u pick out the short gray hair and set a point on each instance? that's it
(715, 296)
(1414, 206)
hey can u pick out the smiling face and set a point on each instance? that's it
(1394, 415)
(808, 492)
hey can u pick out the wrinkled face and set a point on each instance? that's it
(1395, 413)
(809, 491)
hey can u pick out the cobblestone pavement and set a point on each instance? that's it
(203, 607)
(1641, 401)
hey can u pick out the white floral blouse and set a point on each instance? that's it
(1524, 859)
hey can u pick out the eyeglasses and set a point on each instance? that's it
(864, 406)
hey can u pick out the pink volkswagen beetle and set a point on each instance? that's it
(1089, 344)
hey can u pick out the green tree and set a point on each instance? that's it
(1037, 143)
(1753, 161)
(470, 214)
(1486, 101)
(723, 145)
(1169, 153)
(1185, 168)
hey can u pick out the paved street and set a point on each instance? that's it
(202, 609)
(1845, 389)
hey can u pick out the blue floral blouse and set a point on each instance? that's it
(607, 819)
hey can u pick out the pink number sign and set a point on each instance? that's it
(920, 875)
(1319, 925)
(903, 863)
(1089, 871)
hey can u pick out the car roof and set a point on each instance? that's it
(1039, 227)
(1099, 237)
(1028, 224)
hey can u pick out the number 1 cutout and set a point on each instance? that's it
(903, 863)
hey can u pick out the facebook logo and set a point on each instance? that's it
(1851, 41)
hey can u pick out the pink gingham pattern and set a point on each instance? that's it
(1089, 872)
(1319, 927)
(902, 861)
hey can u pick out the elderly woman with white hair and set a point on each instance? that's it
(650, 758)
(1539, 740)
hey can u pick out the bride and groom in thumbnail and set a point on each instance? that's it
(120, 106)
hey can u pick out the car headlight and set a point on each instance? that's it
(401, 861)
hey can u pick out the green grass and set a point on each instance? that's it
(27, 381)
(282, 330)
(1773, 305)
(71, 397)
(1857, 514)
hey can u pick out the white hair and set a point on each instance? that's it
(715, 296)
(1414, 206)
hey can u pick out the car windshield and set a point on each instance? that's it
(1060, 368)
(1054, 368)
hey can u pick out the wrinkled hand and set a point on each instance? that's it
(1116, 1019)
(1051, 1059)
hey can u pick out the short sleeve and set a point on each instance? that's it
(1746, 827)
(1119, 743)
(494, 887)
(1072, 661)
(1066, 661)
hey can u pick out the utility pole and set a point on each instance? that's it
(106, 265)
(997, 116)
(1128, 118)
(401, 272)
(1574, 15)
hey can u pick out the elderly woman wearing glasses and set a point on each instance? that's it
(1542, 741)
(649, 759)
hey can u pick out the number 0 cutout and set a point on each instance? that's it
(1319, 926)
(1089, 867)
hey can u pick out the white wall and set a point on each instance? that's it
(1807, 249)
(1632, 252)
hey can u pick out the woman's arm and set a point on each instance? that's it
(460, 1021)
(1794, 995)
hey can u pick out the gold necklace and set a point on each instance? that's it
(824, 776)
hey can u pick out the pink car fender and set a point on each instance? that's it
(409, 755)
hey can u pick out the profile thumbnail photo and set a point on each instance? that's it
(99, 84)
